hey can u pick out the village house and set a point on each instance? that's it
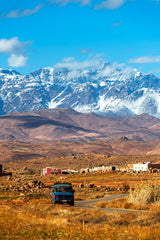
(98, 169)
(51, 171)
(141, 166)
(145, 166)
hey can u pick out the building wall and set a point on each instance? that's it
(140, 167)
(155, 165)
(50, 171)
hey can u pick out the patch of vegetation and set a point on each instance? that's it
(8, 197)
(30, 172)
(145, 193)
(35, 218)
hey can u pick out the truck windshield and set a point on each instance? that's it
(63, 189)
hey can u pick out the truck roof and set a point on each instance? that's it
(62, 183)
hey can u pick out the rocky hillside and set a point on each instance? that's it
(54, 125)
(102, 88)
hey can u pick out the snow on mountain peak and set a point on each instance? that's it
(8, 72)
(89, 86)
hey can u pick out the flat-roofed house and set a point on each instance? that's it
(141, 166)
(51, 171)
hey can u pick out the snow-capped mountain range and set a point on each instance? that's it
(104, 89)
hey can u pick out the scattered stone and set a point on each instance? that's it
(91, 185)
(17, 179)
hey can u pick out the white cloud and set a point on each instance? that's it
(69, 59)
(145, 59)
(116, 24)
(110, 4)
(17, 60)
(11, 45)
(65, 2)
(24, 13)
(85, 50)
(13, 14)
(71, 63)
(16, 49)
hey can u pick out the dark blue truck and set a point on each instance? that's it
(63, 193)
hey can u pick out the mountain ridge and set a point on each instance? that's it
(52, 125)
(102, 88)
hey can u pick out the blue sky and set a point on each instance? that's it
(41, 33)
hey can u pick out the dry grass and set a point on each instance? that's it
(84, 194)
(144, 197)
(124, 204)
(32, 218)
(145, 193)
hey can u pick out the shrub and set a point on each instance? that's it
(30, 172)
(126, 186)
(145, 193)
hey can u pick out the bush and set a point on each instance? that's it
(145, 193)
(126, 186)
(30, 172)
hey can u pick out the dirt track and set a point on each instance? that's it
(90, 204)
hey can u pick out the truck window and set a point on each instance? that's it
(63, 189)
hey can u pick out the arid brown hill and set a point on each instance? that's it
(20, 155)
(68, 125)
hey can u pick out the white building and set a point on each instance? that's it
(141, 166)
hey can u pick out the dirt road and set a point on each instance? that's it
(90, 204)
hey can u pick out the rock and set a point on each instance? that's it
(91, 185)
(17, 179)
(32, 183)
(154, 170)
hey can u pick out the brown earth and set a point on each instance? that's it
(71, 155)
(54, 125)
(70, 140)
